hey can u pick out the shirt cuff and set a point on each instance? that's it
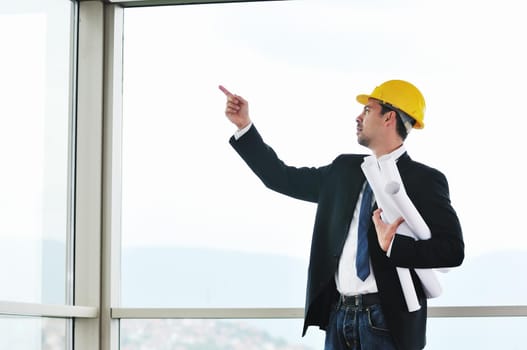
(239, 133)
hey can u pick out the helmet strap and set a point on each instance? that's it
(408, 121)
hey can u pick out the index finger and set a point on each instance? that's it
(225, 91)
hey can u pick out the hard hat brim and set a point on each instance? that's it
(363, 99)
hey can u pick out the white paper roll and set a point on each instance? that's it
(385, 181)
(389, 214)
(410, 296)
(408, 211)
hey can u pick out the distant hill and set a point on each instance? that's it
(203, 335)
(194, 277)
(191, 277)
(490, 279)
(187, 277)
(182, 277)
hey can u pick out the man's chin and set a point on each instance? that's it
(362, 141)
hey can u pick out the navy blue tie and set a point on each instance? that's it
(362, 262)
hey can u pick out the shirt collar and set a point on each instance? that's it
(396, 154)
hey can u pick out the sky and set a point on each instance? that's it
(301, 64)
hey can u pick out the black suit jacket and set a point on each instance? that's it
(336, 188)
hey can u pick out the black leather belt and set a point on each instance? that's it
(363, 300)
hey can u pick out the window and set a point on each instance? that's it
(36, 185)
(194, 217)
(35, 132)
(198, 228)
(28, 333)
(188, 198)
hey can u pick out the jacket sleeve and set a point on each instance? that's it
(445, 248)
(301, 183)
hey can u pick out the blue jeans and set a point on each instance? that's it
(355, 327)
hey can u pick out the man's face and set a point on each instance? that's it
(369, 123)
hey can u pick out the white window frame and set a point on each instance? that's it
(81, 306)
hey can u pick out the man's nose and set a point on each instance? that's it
(359, 118)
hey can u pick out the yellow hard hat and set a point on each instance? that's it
(401, 95)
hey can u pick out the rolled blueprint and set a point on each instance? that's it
(385, 181)
(395, 189)
(415, 226)
(389, 214)
(414, 222)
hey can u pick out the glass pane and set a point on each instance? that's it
(476, 333)
(26, 333)
(199, 229)
(34, 143)
(481, 279)
(218, 335)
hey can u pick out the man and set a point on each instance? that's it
(361, 304)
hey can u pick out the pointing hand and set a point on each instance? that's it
(237, 109)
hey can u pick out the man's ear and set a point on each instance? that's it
(390, 116)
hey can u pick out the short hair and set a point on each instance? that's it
(400, 126)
